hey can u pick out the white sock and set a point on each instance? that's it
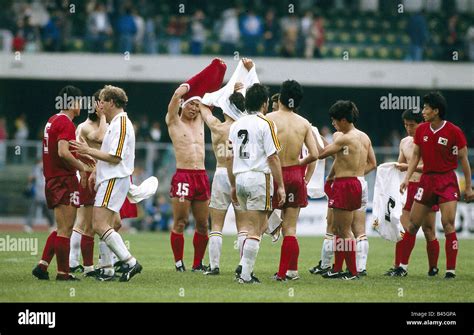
(114, 258)
(75, 249)
(115, 243)
(249, 256)
(241, 236)
(327, 251)
(362, 252)
(105, 255)
(88, 269)
(215, 247)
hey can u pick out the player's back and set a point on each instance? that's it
(348, 159)
(291, 131)
(59, 127)
(364, 154)
(220, 143)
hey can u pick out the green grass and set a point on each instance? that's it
(159, 282)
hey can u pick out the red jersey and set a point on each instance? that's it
(59, 127)
(439, 148)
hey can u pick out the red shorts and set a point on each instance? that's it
(346, 194)
(411, 191)
(190, 185)
(437, 188)
(62, 190)
(86, 197)
(328, 188)
(128, 210)
(295, 188)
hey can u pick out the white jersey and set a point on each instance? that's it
(253, 139)
(388, 202)
(119, 140)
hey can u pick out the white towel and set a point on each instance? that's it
(220, 98)
(315, 187)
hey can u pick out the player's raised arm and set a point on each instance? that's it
(415, 158)
(211, 121)
(334, 147)
(466, 169)
(248, 63)
(97, 135)
(173, 107)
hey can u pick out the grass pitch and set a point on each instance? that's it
(159, 282)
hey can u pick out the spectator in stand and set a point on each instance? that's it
(229, 34)
(126, 29)
(198, 32)
(251, 29)
(418, 31)
(176, 30)
(290, 26)
(143, 133)
(52, 33)
(307, 34)
(453, 41)
(153, 30)
(317, 32)
(99, 29)
(140, 35)
(271, 33)
(3, 138)
(21, 135)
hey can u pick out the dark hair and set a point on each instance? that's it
(436, 100)
(344, 109)
(238, 100)
(291, 94)
(412, 115)
(93, 116)
(70, 91)
(255, 97)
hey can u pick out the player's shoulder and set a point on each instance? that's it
(450, 125)
(406, 139)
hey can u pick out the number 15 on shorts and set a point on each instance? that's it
(183, 189)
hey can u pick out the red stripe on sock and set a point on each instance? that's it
(87, 249)
(338, 254)
(407, 247)
(350, 255)
(177, 245)
(284, 256)
(295, 253)
(200, 244)
(48, 251)
(61, 248)
(451, 248)
(398, 253)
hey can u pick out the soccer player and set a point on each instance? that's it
(220, 194)
(190, 189)
(253, 162)
(440, 144)
(61, 188)
(346, 192)
(411, 120)
(82, 239)
(115, 165)
(275, 98)
(293, 131)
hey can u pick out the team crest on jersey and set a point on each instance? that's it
(443, 141)
(425, 138)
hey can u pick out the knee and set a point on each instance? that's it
(201, 229)
(117, 225)
(180, 224)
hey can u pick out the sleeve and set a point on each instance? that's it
(66, 131)
(270, 140)
(119, 134)
(460, 138)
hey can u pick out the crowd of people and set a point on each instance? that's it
(266, 28)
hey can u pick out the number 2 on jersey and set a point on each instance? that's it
(243, 134)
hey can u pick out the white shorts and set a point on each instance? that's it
(220, 194)
(112, 193)
(254, 191)
(365, 194)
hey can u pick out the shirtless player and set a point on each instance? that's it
(293, 132)
(346, 193)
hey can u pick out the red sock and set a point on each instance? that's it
(61, 248)
(338, 254)
(177, 244)
(407, 247)
(87, 249)
(451, 247)
(398, 253)
(285, 256)
(48, 251)
(432, 248)
(350, 255)
(200, 244)
(293, 265)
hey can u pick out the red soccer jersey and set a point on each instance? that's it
(439, 149)
(59, 127)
